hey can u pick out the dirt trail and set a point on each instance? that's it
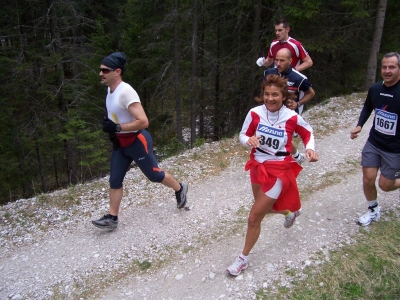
(190, 250)
(327, 221)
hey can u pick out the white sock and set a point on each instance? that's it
(372, 203)
(296, 154)
(244, 257)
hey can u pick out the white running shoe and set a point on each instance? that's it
(300, 158)
(238, 266)
(373, 214)
(289, 220)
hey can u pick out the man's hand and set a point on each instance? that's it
(354, 133)
(108, 125)
(260, 61)
(291, 104)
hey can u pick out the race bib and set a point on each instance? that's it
(385, 122)
(271, 138)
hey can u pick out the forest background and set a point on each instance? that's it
(191, 62)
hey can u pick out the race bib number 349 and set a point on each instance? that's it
(271, 139)
(385, 122)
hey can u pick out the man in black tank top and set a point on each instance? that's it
(382, 149)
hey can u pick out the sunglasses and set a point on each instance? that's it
(105, 70)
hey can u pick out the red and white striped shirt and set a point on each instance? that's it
(276, 131)
(295, 47)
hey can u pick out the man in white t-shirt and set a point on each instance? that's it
(126, 122)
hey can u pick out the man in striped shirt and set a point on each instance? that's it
(301, 60)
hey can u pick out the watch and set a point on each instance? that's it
(118, 127)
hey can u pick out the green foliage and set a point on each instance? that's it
(199, 142)
(144, 265)
(303, 10)
(47, 118)
(52, 101)
(170, 147)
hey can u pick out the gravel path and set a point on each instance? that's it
(50, 250)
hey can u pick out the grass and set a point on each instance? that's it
(367, 269)
(69, 197)
(144, 265)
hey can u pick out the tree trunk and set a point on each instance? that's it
(41, 168)
(69, 145)
(71, 165)
(376, 42)
(201, 65)
(55, 171)
(176, 72)
(217, 103)
(194, 79)
(256, 30)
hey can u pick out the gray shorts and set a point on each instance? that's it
(389, 163)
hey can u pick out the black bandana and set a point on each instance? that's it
(116, 60)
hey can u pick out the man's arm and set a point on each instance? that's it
(141, 122)
(307, 97)
(268, 61)
(364, 115)
(305, 64)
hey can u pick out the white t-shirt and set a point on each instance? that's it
(117, 103)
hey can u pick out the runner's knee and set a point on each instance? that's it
(369, 180)
(386, 185)
(156, 176)
(115, 184)
(254, 220)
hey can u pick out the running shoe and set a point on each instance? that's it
(373, 214)
(106, 222)
(181, 196)
(289, 220)
(238, 266)
(300, 158)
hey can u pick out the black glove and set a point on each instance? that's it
(108, 125)
(114, 141)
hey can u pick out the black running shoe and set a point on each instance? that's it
(106, 222)
(181, 196)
